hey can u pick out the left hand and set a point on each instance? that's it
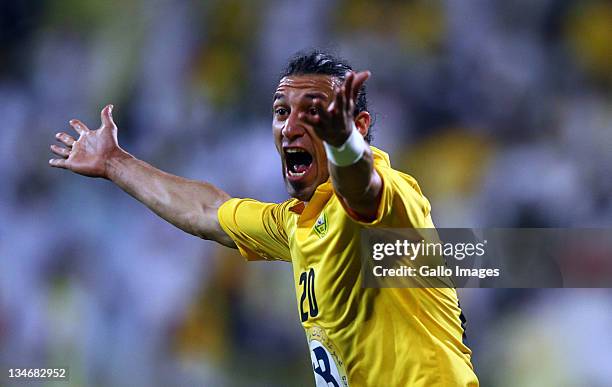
(334, 123)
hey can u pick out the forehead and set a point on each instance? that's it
(306, 83)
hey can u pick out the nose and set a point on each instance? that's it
(293, 127)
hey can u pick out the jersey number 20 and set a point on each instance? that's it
(307, 282)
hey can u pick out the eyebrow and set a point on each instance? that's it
(311, 95)
(314, 95)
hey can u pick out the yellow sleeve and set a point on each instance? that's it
(402, 204)
(257, 228)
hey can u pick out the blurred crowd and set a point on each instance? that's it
(501, 110)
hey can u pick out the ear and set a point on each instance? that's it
(362, 122)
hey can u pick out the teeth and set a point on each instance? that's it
(296, 173)
(294, 150)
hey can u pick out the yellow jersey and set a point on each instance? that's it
(357, 336)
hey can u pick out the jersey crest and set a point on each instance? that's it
(321, 226)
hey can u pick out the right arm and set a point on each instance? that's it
(189, 205)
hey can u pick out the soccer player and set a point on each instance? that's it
(338, 185)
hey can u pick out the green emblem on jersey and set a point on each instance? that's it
(320, 227)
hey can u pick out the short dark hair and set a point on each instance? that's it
(319, 62)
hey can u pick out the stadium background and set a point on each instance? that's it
(502, 110)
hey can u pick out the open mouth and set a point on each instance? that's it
(298, 162)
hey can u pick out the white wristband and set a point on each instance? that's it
(348, 153)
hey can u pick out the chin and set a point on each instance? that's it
(301, 193)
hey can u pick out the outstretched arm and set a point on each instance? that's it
(187, 204)
(357, 184)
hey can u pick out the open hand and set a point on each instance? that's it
(88, 154)
(334, 123)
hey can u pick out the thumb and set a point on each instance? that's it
(107, 116)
